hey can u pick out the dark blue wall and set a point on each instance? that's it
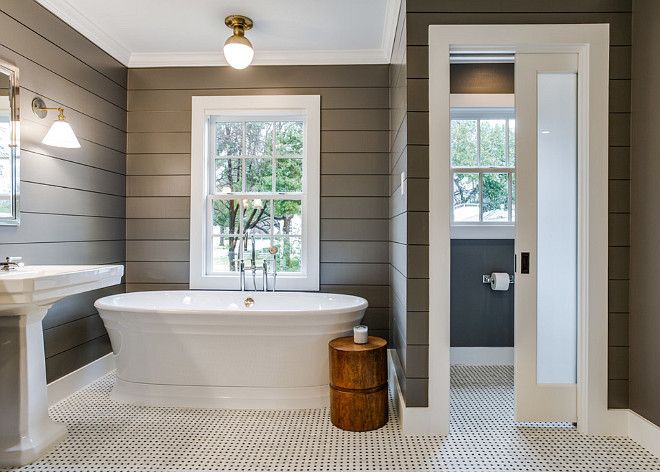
(480, 316)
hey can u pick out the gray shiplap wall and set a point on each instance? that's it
(72, 201)
(354, 172)
(645, 200)
(422, 13)
(408, 266)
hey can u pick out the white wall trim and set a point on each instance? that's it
(78, 21)
(261, 58)
(413, 420)
(114, 47)
(389, 28)
(644, 433)
(591, 42)
(69, 384)
(482, 231)
(482, 100)
(481, 356)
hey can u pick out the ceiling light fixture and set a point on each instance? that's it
(238, 49)
(60, 133)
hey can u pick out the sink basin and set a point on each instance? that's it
(41, 285)
(26, 294)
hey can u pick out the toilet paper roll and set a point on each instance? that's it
(499, 281)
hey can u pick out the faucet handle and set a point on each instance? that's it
(11, 263)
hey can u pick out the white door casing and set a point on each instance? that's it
(591, 43)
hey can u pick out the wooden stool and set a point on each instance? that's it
(358, 384)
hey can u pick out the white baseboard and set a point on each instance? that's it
(69, 384)
(644, 433)
(481, 356)
(393, 385)
(415, 421)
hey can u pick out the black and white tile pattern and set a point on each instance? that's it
(109, 437)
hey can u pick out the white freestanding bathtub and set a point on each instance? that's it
(208, 349)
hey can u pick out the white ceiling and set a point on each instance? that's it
(151, 33)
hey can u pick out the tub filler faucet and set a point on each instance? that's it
(11, 263)
(253, 266)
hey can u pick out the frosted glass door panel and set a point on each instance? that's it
(557, 229)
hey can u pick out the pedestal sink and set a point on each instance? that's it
(26, 294)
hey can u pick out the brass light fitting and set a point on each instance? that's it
(60, 133)
(41, 110)
(238, 49)
(239, 24)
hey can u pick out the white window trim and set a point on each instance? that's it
(482, 100)
(202, 109)
(481, 106)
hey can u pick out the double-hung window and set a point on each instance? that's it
(483, 168)
(255, 188)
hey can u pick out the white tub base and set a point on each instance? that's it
(231, 398)
(204, 349)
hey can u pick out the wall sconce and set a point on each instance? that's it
(60, 133)
(238, 49)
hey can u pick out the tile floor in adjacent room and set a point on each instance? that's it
(106, 436)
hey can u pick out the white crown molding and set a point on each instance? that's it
(389, 28)
(78, 21)
(261, 57)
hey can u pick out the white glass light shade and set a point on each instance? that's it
(238, 51)
(61, 135)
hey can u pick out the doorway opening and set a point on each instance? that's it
(559, 375)
(540, 90)
(482, 229)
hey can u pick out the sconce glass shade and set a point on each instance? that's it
(61, 135)
(238, 51)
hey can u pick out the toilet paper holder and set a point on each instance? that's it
(487, 279)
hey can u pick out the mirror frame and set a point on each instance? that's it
(14, 102)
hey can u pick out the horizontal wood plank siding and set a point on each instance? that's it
(72, 200)
(409, 359)
(616, 13)
(354, 171)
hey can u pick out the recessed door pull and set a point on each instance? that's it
(524, 262)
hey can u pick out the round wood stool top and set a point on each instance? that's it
(347, 344)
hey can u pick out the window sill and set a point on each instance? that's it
(232, 282)
(483, 231)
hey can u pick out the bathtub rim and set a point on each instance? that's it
(102, 304)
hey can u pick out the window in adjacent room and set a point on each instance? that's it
(483, 168)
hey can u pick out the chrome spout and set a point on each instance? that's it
(11, 263)
(264, 272)
(242, 275)
(254, 252)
